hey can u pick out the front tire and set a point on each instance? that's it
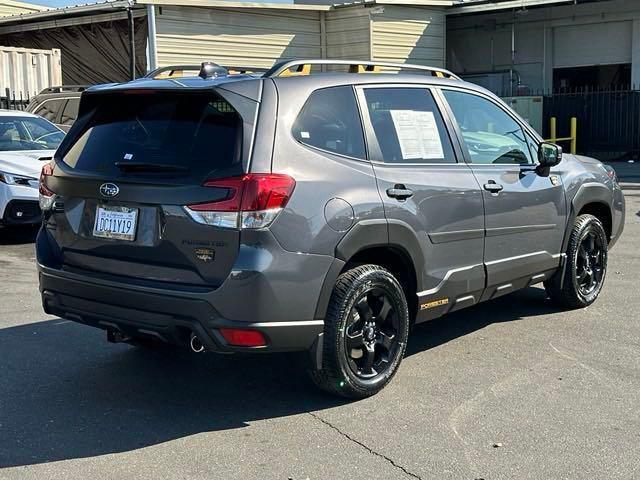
(365, 333)
(586, 266)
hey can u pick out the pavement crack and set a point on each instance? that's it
(368, 449)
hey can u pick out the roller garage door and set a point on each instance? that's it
(592, 44)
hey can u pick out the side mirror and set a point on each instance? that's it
(549, 155)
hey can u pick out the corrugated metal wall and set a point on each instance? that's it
(25, 72)
(235, 37)
(8, 7)
(409, 35)
(348, 33)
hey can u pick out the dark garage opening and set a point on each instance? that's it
(593, 77)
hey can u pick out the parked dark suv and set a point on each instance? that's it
(312, 212)
(58, 104)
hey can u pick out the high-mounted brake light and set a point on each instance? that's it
(251, 201)
(46, 194)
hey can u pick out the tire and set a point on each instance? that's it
(586, 265)
(365, 333)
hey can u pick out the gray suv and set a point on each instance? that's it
(304, 210)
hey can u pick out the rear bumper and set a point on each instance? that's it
(162, 315)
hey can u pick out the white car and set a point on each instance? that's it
(27, 142)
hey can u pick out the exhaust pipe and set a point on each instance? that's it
(196, 344)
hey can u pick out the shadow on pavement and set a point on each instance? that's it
(17, 235)
(67, 394)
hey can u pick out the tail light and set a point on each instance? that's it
(252, 201)
(46, 195)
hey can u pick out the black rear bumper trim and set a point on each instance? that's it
(167, 317)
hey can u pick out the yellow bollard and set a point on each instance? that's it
(574, 135)
(552, 129)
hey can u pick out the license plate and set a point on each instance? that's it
(116, 222)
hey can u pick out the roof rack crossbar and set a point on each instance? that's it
(286, 68)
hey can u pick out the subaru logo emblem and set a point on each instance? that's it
(109, 189)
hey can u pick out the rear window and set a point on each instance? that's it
(197, 135)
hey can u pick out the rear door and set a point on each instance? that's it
(127, 169)
(525, 212)
(427, 191)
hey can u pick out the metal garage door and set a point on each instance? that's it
(592, 44)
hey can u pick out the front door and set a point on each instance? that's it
(524, 212)
(431, 200)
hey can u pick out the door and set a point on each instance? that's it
(432, 202)
(524, 212)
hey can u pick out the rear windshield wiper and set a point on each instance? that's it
(150, 167)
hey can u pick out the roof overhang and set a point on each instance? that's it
(481, 6)
(234, 4)
(62, 16)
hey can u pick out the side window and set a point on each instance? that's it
(70, 112)
(490, 134)
(49, 109)
(408, 126)
(330, 121)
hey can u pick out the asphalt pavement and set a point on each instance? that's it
(511, 389)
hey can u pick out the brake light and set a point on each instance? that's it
(243, 338)
(46, 194)
(251, 201)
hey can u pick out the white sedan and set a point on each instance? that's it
(27, 142)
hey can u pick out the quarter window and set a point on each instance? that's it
(491, 136)
(408, 126)
(330, 121)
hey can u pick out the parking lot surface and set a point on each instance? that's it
(513, 388)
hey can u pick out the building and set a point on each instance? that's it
(96, 40)
(553, 45)
(512, 47)
(11, 7)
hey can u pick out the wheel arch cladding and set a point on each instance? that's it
(368, 243)
(595, 199)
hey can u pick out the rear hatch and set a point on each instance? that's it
(128, 167)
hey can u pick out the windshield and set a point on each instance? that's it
(28, 133)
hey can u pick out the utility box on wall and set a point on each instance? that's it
(27, 71)
(529, 108)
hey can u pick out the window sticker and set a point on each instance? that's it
(418, 134)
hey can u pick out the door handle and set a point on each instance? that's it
(493, 187)
(400, 192)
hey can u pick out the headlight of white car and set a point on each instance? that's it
(13, 179)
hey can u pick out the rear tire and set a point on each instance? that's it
(365, 333)
(586, 265)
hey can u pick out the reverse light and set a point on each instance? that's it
(251, 201)
(46, 195)
(243, 338)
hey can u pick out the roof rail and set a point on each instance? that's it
(303, 67)
(64, 88)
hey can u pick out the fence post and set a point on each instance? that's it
(574, 135)
(552, 129)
